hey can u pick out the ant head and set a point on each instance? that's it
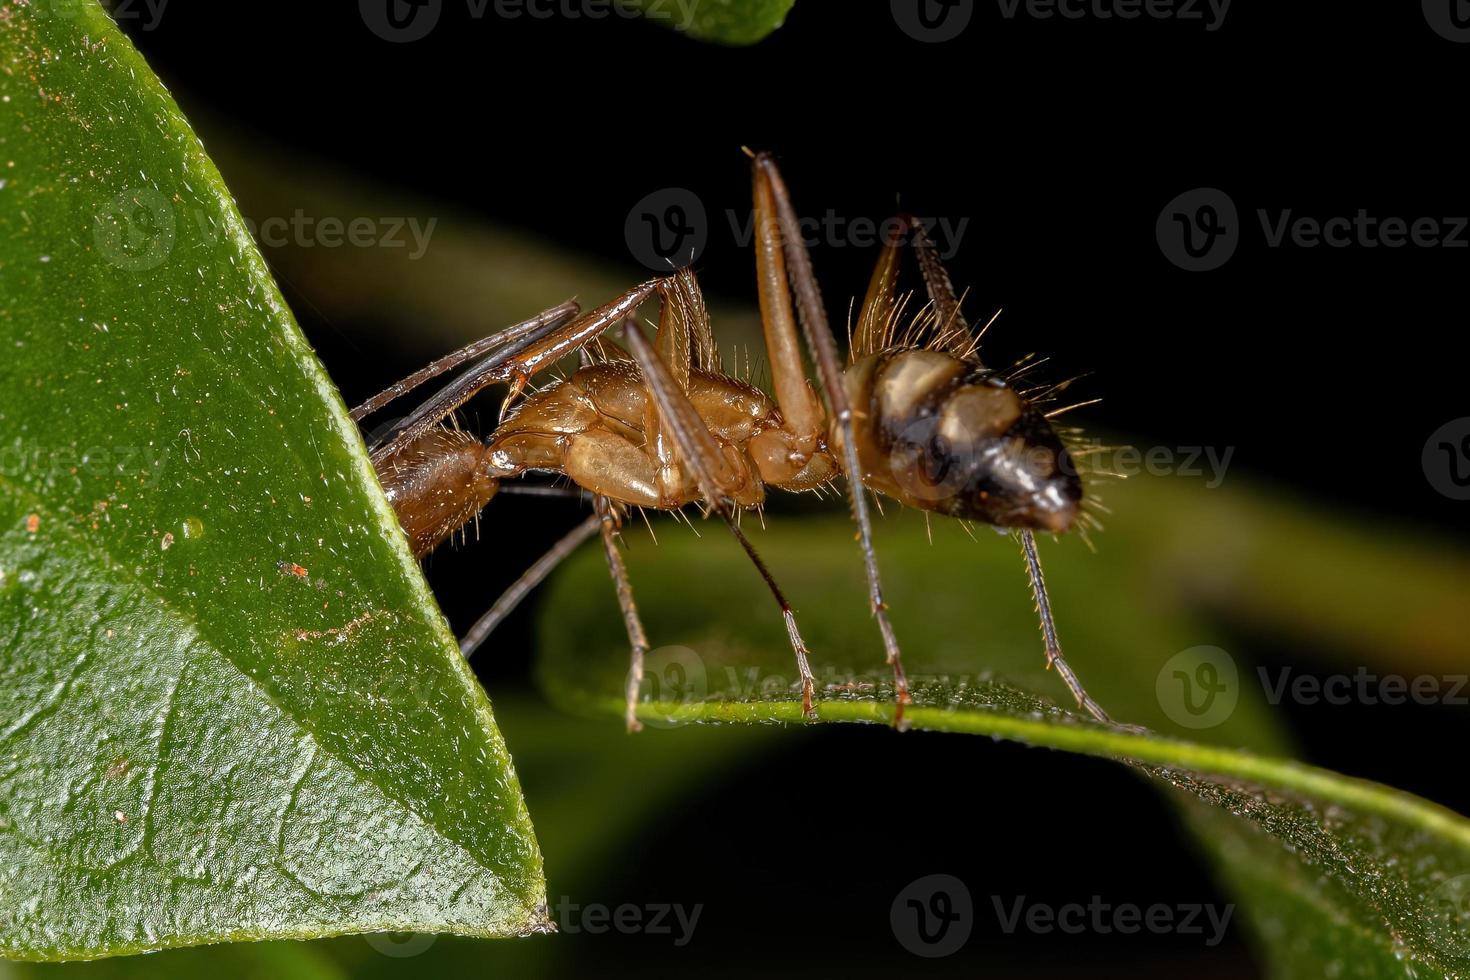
(981, 452)
(1026, 478)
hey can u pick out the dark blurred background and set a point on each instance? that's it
(1061, 141)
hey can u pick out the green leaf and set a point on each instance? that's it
(570, 768)
(722, 21)
(229, 708)
(1339, 874)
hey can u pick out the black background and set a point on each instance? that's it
(1061, 140)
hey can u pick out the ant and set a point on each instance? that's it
(916, 417)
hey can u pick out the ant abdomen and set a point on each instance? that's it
(941, 433)
(437, 483)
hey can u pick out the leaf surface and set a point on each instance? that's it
(229, 706)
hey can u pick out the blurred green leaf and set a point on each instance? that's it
(722, 21)
(229, 707)
(1327, 862)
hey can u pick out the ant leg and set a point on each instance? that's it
(1049, 631)
(637, 638)
(798, 645)
(699, 450)
(776, 225)
(954, 334)
(947, 308)
(952, 331)
(880, 305)
(540, 323)
(514, 363)
(522, 586)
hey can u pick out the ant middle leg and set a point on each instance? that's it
(718, 485)
(608, 521)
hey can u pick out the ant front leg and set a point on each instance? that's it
(953, 333)
(545, 341)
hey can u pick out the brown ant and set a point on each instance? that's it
(918, 417)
